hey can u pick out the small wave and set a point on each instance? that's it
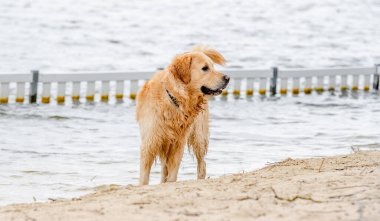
(113, 41)
(36, 172)
(326, 105)
(57, 117)
(367, 146)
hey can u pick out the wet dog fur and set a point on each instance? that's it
(172, 110)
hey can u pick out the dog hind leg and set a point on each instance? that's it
(146, 161)
(164, 169)
(173, 161)
(201, 168)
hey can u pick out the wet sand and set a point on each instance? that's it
(333, 188)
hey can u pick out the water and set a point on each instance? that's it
(64, 151)
(50, 151)
(96, 35)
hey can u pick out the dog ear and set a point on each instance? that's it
(181, 68)
(215, 56)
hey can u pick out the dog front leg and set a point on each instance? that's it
(198, 141)
(199, 144)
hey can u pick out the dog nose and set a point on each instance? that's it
(226, 78)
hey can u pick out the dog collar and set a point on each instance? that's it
(173, 99)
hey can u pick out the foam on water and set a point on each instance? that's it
(65, 151)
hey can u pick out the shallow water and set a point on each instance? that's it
(65, 151)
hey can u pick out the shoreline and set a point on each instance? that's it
(340, 187)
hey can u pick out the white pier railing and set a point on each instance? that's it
(43, 87)
(317, 79)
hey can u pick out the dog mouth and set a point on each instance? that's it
(214, 92)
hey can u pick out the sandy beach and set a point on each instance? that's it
(333, 188)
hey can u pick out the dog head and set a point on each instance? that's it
(196, 69)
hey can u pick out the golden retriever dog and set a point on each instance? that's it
(172, 110)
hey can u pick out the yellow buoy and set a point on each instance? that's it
(307, 90)
(104, 98)
(249, 92)
(319, 89)
(3, 100)
(119, 96)
(19, 100)
(61, 99)
(296, 91)
(262, 91)
(45, 100)
(283, 91)
(90, 98)
(75, 98)
(132, 96)
(236, 92)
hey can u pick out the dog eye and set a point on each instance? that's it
(205, 68)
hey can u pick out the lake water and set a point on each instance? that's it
(50, 151)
